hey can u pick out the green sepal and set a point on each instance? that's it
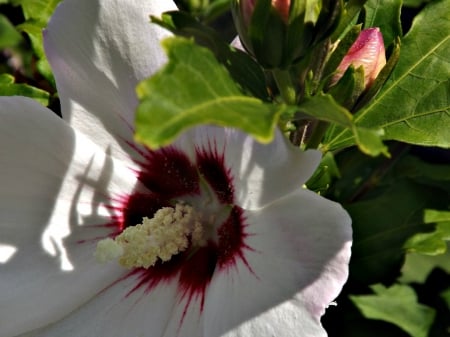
(351, 9)
(324, 175)
(341, 50)
(382, 76)
(347, 90)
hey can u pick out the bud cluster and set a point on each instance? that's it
(279, 33)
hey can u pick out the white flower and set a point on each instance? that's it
(264, 256)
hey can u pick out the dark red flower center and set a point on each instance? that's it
(169, 177)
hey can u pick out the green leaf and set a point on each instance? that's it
(397, 305)
(384, 14)
(446, 296)
(383, 222)
(430, 243)
(417, 267)
(194, 88)
(324, 107)
(350, 12)
(37, 9)
(414, 3)
(369, 141)
(37, 13)
(432, 215)
(6, 79)
(322, 178)
(413, 105)
(9, 36)
(429, 174)
(243, 69)
(34, 31)
(9, 88)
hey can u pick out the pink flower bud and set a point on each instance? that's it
(367, 51)
(281, 6)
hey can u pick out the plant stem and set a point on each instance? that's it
(285, 85)
(318, 130)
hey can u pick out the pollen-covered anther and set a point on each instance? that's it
(170, 231)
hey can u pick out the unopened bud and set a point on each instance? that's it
(281, 6)
(279, 33)
(367, 51)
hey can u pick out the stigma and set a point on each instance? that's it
(171, 231)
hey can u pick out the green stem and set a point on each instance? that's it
(285, 85)
(318, 131)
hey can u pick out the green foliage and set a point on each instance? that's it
(37, 14)
(325, 108)
(415, 3)
(417, 267)
(446, 296)
(384, 14)
(39, 10)
(9, 88)
(397, 305)
(381, 229)
(194, 88)
(387, 200)
(324, 174)
(413, 106)
(9, 36)
(242, 68)
(432, 243)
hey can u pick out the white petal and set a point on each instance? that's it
(49, 175)
(261, 173)
(296, 265)
(116, 312)
(99, 50)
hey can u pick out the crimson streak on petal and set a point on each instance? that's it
(211, 165)
(169, 175)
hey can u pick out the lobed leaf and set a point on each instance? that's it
(397, 305)
(194, 88)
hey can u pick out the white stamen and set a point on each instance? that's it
(161, 237)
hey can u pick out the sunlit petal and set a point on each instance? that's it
(48, 175)
(299, 255)
(99, 50)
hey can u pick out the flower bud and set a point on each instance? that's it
(281, 6)
(279, 33)
(367, 51)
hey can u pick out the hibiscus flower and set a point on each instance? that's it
(261, 256)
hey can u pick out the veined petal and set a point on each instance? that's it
(260, 173)
(297, 265)
(57, 190)
(99, 50)
(115, 312)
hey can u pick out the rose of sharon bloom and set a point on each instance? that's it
(257, 255)
(367, 51)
